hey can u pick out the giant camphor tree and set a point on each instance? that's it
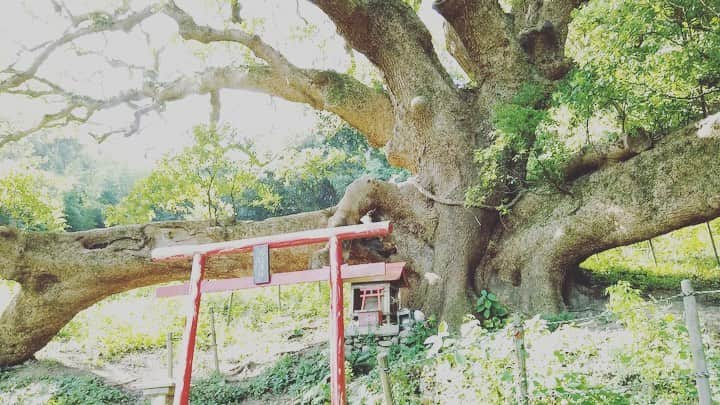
(486, 208)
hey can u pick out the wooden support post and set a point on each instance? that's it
(521, 378)
(702, 377)
(279, 298)
(652, 251)
(169, 347)
(712, 242)
(228, 315)
(199, 253)
(337, 326)
(213, 335)
(182, 392)
(384, 379)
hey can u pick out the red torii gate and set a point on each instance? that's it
(334, 236)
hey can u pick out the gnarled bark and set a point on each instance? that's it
(61, 274)
(546, 236)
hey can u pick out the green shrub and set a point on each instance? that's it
(63, 389)
(82, 390)
(645, 360)
(491, 312)
(294, 375)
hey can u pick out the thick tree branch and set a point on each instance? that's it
(401, 202)
(393, 38)
(63, 273)
(542, 27)
(480, 36)
(672, 185)
(498, 49)
(593, 157)
(366, 109)
(97, 22)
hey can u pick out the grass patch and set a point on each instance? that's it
(53, 384)
(137, 321)
(683, 254)
(302, 375)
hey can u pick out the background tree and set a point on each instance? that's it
(315, 174)
(427, 123)
(208, 179)
(26, 202)
(654, 64)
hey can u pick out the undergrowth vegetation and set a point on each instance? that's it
(644, 358)
(54, 389)
(303, 375)
(138, 321)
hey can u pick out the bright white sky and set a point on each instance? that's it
(272, 122)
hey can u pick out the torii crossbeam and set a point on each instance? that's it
(200, 253)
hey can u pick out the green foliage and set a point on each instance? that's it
(82, 390)
(406, 363)
(208, 180)
(405, 366)
(315, 174)
(414, 4)
(643, 360)
(291, 375)
(652, 63)
(659, 354)
(123, 325)
(27, 201)
(64, 389)
(81, 212)
(559, 317)
(490, 311)
(137, 321)
(682, 254)
(524, 152)
(60, 186)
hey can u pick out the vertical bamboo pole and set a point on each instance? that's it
(652, 251)
(702, 378)
(169, 347)
(712, 242)
(337, 327)
(182, 392)
(384, 379)
(228, 315)
(522, 385)
(213, 335)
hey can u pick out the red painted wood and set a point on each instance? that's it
(337, 327)
(359, 272)
(335, 236)
(182, 388)
(360, 231)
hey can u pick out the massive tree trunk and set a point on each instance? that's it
(428, 125)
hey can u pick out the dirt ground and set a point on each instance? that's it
(254, 351)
